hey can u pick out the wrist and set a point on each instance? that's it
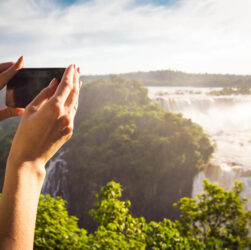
(34, 168)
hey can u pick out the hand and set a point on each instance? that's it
(47, 122)
(7, 71)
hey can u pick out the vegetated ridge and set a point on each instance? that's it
(178, 78)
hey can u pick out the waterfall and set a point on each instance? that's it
(225, 176)
(56, 182)
(227, 121)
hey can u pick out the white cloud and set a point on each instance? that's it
(112, 36)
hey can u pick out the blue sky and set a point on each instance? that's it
(115, 36)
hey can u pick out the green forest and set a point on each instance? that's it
(178, 78)
(214, 219)
(122, 140)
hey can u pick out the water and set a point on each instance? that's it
(227, 120)
(56, 181)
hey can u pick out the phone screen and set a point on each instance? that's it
(27, 83)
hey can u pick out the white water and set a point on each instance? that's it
(56, 183)
(227, 120)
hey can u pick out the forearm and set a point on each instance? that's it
(18, 206)
(38, 140)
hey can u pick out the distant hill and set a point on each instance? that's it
(177, 78)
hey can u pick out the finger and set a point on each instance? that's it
(66, 84)
(10, 112)
(6, 75)
(4, 66)
(44, 94)
(73, 96)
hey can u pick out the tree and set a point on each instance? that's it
(216, 217)
(214, 220)
(146, 149)
(118, 229)
(165, 235)
(95, 95)
(55, 229)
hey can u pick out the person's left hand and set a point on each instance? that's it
(7, 71)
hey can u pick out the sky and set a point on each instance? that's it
(117, 36)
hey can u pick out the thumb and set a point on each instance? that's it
(10, 112)
(44, 94)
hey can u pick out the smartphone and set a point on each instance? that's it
(27, 83)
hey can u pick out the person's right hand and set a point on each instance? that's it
(47, 122)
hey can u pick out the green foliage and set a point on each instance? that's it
(120, 230)
(96, 95)
(237, 90)
(117, 228)
(216, 217)
(165, 235)
(146, 149)
(108, 239)
(177, 78)
(55, 229)
(109, 207)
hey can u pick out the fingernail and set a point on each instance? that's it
(20, 58)
(71, 66)
(20, 111)
(78, 69)
(18, 62)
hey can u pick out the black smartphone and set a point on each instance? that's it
(27, 83)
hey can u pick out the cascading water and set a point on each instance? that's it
(227, 120)
(56, 182)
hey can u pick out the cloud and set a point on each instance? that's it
(111, 36)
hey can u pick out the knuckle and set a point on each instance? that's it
(66, 121)
(68, 87)
(68, 131)
(68, 81)
(43, 91)
(56, 109)
(74, 89)
(30, 108)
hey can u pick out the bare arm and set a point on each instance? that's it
(46, 125)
